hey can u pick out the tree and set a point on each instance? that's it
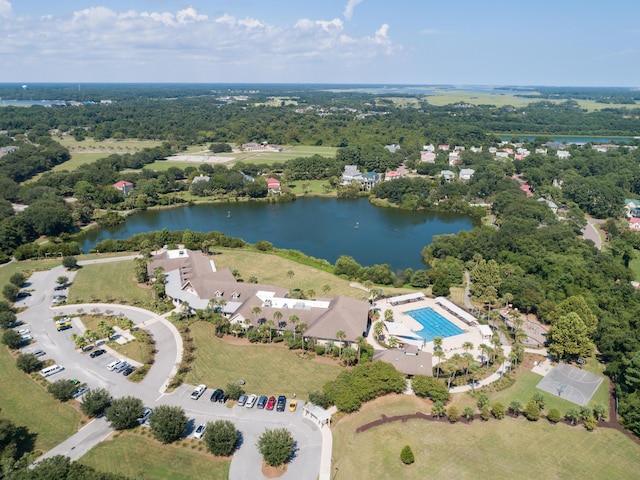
(12, 339)
(467, 413)
(498, 410)
(569, 338)
(485, 413)
(340, 335)
(276, 446)
(70, 263)
(234, 390)
(18, 279)
(28, 362)
(349, 354)
(453, 414)
(429, 387)
(590, 423)
(62, 389)
(123, 413)
(10, 292)
(95, 401)
(406, 455)
(438, 410)
(573, 414)
(168, 423)
(62, 280)
(515, 407)
(290, 274)
(221, 437)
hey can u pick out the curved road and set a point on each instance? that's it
(251, 423)
(590, 232)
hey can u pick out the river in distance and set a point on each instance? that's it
(319, 227)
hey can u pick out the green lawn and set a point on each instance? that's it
(634, 265)
(26, 403)
(138, 456)
(267, 369)
(272, 270)
(106, 282)
(27, 267)
(514, 449)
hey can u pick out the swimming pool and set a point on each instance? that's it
(434, 324)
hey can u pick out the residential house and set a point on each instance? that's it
(502, 154)
(632, 207)
(526, 189)
(443, 147)
(459, 148)
(541, 151)
(429, 157)
(562, 154)
(429, 148)
(125, 187)
(447, 175)
(392, 175)
(393, 148)
(370, 180)
(466, 173)
(8, 149)
(351, 174)
(634, 224)
(552, 206)
(273, 185)
(454, 158)
(200, 178)
(476, 149)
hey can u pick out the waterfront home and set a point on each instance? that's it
(125, 187)
(273, 185)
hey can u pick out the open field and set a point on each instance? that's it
(267, 368)
(272, 270)
(113, 281)
(511, 448)
(26, 267)
(28, 404)
(135, 455)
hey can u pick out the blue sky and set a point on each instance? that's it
(462, 42)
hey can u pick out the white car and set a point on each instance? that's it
(251, 401)
(199, 431)
(24, 331)
(197, 393)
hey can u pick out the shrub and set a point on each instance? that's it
(406, 455)
(10, 291)
(62, 389)
(554, 415)
(320, 349)
(12, 339)
(319, 398)
(590, 423)
(515, 408)
(485, 413)
(468, 413)
(453, 414)
(483, 400)
(532, 411)
(429, 387)
(17, 279)
(498, 410)
(70, 263)
(168, 423)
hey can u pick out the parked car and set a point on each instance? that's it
(97, 353)
(24, 331)
(59, 299)
(87, 348)
(217, 395)
(199, 431)
(293, 404)
(80, 391)
(146, 413)
(128, 371)
(22, 295)
(114, 364)
(39, 353)
(281, 403)
(242, 400)
(262, 401)
(120, 367)
(224, 398)
(271, 403)
(60, 287)
(26, 338)
(197, 393)
(63, 326)
(251, 401)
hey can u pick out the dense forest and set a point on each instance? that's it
(525, 253)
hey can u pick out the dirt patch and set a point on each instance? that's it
(273, 472)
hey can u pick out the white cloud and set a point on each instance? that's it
(5, 8)
(349, 7)
(103, 43)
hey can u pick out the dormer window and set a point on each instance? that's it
(218, 293)
(235, 295)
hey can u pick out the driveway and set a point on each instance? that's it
(251, 423)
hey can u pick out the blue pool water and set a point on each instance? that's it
(434, 324)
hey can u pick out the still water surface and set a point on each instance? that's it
(319, 227)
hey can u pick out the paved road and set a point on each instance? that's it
(590, 232)
(246, 463)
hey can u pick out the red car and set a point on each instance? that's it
(271, 403)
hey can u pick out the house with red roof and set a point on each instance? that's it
(526, 189)
(125, 187)
(634, 224)
(273, 185)
(392, 175)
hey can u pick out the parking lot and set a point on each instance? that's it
(58, 346)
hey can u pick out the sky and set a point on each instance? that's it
(458, 42)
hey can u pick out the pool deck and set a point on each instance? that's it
(450, 345)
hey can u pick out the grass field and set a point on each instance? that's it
(515, 449)
(113, 281)
(138, 456)
(28, 404)
(634, 265)
(26, 267)
(267, 369)
(272, 270)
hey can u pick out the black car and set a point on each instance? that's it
(282, 401)
(97, 353)
(217, 395)
(224, 398)
(128, 371)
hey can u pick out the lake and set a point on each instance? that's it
(319, 227)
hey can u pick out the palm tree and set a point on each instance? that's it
(359, 342)
(311, 293)
(440, 355)
(349, 355)
(302, 327)
(270, 324)
(290, 274)
(378, 328)
(326, 288)
(467, 346)
(437, 343)
(277, 316)
(340, 335)
(467, 413)
(256, 311)
(294, 319)
(485, 349)
(393, 342)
